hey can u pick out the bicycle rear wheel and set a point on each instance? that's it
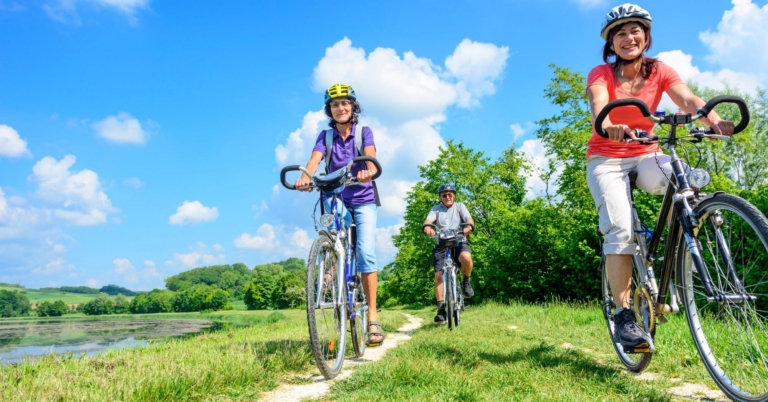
(359, 326)
(729, 328)
(327, 319)
(639, 303)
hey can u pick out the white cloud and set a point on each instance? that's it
(264, 239)
(56, 266)
(193, 212)
(682, 63)
(78, 193)
(93, 283)
(476, 66)
(124, 268)
(134, 182)
(199, 255)
(300, 142)
(122, 128)
(67, 10)
(519, 130)
(11, 145)
(739, 41)
(385, 248)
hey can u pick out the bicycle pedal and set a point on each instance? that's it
(637, 349)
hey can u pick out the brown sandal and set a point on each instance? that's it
(378, 332)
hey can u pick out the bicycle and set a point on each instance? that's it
(333, 298)
(454, 297)
(715, 255)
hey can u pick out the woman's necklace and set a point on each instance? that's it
(634, 80)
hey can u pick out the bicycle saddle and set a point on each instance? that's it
(332, 183)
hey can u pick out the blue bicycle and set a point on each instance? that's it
(334, 295)
(453, 296)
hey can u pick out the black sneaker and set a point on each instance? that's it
(441, 314)
(629, 333)
(468, 292)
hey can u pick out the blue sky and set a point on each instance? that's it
(142, 138)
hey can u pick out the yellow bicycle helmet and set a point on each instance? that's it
(339, 91)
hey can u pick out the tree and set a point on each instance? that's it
(55, 309)
(99, 306)
(13, 304)
(254, 296)
(114, 290)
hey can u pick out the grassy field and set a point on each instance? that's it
(36, 296)
(501, 352)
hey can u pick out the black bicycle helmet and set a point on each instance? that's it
(446, 187)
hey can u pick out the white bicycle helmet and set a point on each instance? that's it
(622, 14)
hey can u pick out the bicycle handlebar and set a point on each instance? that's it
(299, 168)
(675, 118)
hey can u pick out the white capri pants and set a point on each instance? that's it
(608, 180)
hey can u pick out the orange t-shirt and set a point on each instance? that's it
(662, 78)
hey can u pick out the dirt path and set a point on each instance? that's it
(318, 385)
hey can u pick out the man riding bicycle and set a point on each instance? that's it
(449, 214)
(347, 139)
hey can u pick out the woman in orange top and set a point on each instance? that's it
(627, 34)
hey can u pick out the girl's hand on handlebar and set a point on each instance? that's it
(617, 132)
(365, 176)
(722, 127)
(303, 183)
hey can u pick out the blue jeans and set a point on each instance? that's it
(365, 220)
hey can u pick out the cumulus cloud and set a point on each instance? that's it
(193, 212)
(11, 145)
(66, 11)
(199, 255)
(93, 283)
(264, 239)
(476, 66)
(385, 248)
(78, 196)
(739, 41)
(519, 130)
(122, 128)
(125, 269)
(57, 266)
(300, 142)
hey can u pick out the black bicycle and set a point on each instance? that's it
(334, 288)
(715, 258)
(454, 297)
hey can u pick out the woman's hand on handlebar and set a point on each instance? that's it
(618, 132)
(365, 176)
(722, 127)
(303, 183)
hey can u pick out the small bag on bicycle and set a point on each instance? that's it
(332, 183)
(447, 238)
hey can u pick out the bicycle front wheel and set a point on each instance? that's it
(639, 303)
(450, 296)
(326, 317)
(729, 325)
(359, 326)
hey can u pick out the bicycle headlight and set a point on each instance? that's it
(326, 220)
(699, 178)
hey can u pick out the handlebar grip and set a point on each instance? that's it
(282, 176)
(366, 158)
(618, 103)
(743, 110)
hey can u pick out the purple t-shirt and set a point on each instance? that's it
(342, 152)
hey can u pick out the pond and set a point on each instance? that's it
(21, 339)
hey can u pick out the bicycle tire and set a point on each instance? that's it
(635, 362)
(359, 326)
(731, 337)
(327, 326)
(459, 301)
(449, 297)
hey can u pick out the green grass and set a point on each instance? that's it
(233, 363)
(556, 351)
(36, 296)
